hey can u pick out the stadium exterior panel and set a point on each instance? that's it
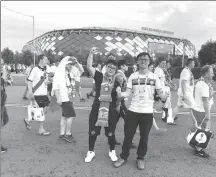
(110, 40)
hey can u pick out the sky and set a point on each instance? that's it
(195, 20)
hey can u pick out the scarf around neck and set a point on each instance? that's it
(106, 89)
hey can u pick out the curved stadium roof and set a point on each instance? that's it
(108, 40)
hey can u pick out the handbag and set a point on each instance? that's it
(200, 138)
(35, 113)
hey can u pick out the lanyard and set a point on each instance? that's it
(139, 83)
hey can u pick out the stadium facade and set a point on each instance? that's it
(110, 40)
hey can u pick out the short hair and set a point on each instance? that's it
(111, 61)
(121, 63)
(40, 57)
(205, 69)
(189, 61)
(161, 59)
(111, 56)
(143, 54)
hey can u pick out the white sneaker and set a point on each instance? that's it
(89, 156)
(156, 111)
(113, 156)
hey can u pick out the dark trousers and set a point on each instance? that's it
(4, 116)
(132, 120)
(94, 131)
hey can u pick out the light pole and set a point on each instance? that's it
(33, 25)
(183, 56)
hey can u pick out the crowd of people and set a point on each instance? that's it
(147, 85)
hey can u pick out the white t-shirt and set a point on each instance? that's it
(187, 75)
(76, 73)
(35, 76)
(64, 91)
(161, 75)
(143, 95)
(202, 90)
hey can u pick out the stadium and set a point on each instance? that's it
(110, 40)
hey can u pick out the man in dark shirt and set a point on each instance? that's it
(94, 129)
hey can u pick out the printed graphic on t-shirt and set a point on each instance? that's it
(143, 81)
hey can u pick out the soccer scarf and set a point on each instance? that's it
(71, 86)
(105, 99)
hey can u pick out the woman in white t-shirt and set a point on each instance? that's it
(65, 90)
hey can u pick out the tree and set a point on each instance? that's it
(7, 55)
(207, 53)
(27, 57)
(18, 58)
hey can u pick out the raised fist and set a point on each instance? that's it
(93, 50)
(118, 89)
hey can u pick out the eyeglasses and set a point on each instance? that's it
(110, 67)
(143, 60)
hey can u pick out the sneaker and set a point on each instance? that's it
(112, 155)
(69, 138)
(202, 153)
(140, 164)
(119, 163)
(157, 112)
(3, 149)
(171, 123)
(89, 156)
